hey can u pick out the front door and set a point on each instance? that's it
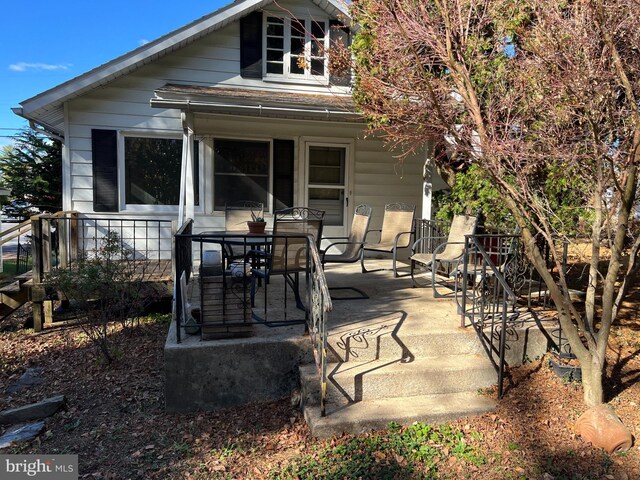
(328, 185)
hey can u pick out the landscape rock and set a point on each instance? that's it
(22, 433)
(32, 376)
(33, 411)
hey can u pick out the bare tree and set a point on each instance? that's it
(520, 88)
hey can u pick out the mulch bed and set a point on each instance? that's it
(115, 419)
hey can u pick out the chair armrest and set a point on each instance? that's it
(422, 239)
(397, 239)
(324, 252)
(332, 238)
(442, 246)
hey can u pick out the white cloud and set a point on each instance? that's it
(24, 66)
(143, 41)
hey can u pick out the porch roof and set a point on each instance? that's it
(255, 102)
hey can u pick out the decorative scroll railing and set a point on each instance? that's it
(237, 287)
(486, 298)
(498, 285)
(320, 308)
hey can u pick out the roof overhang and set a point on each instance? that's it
(47, 108)
(257, 103)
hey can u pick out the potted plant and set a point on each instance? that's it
(257, 224)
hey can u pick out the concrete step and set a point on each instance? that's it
(391, 340)
(370, 415)
(354, 382)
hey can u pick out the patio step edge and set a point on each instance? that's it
(365, 416)
(418, 344)
(380, 379)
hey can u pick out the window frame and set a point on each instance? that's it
(286, 74)
(268, 208)
(122, 190)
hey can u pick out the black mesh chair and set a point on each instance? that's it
(293, 229)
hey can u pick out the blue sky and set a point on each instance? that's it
(44, 43)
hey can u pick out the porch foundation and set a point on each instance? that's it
(210, 375)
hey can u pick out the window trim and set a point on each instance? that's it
(286, 75)
(269, 206)
(144, 208)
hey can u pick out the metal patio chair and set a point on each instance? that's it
(353, 247)
(293, 228)
(397, 228)
(447, 254)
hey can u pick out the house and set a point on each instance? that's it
(238, 105)
(241, 105)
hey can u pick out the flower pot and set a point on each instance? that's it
(192, 323)
(603, 429)
(256, 227)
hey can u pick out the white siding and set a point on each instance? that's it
(378, 177)
(123, 105)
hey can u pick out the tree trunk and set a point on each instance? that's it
(592, 372)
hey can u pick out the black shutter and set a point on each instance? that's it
(283, 160)
(251, 45)
(104, 149)
(339, 35)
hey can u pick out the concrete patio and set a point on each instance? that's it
(400, 355)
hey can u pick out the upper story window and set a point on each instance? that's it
(296, 48)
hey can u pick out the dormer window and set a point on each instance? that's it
(296, 48)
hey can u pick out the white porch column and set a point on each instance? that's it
(186, 205)
(427, 183)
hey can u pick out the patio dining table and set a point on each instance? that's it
(228, 239)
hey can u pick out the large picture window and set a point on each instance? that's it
(241, 171)
(296, 47)
(152, 171)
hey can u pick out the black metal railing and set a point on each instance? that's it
(23, 256)
(62, 238)
(183, 246)
(434, 230)
(486, 299)
(248, 279)
(320, 307)
(498, 286)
